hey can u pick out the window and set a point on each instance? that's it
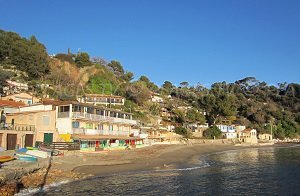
(76, 108)
(111, 127)
(90, 99)
(89, 126)
(90, 110)
(100, 112)
(46, 120)
(64, 109)
(30, 117)
(121, 115)
(100, 126)
(75, 124)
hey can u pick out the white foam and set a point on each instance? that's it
(184, 169)
(31, 191)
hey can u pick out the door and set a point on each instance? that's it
(1, 136)
(11, 141)
(48, 138)
(28, 140)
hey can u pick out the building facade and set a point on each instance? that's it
(95, 127)
(101, 99)
(265, 137)
(25, 98)
(24, 126)
(228, 131)
(248, 136)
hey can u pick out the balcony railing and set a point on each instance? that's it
(96, 117)
(63, 114)
(105, 101)
(85, 131)
(17, 127)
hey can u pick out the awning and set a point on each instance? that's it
(99, 137)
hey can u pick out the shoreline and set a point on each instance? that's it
(171, 157)
(76, 166)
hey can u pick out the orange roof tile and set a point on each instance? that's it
(11, 103)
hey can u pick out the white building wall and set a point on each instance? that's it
(231, 135)
(36, 108)
(28, 108)
(64, 125)
(11, 110)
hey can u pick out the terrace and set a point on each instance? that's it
(16, 127)
(85, 131)
(95, 114)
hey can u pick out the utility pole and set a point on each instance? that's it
(271, 123)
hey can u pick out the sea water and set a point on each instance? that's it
(267, 171)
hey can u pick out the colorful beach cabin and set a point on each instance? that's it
(91, 143)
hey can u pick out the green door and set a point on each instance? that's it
(48, 138)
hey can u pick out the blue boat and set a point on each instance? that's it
(24, 157)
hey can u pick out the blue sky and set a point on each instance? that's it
(203, 41)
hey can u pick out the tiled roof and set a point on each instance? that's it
(11, 103)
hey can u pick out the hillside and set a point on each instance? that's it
(247, 101)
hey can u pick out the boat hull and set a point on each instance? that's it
(4, 159)
(27, 158)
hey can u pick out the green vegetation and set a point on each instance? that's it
(181, 131)
(82, 59)
(194, 116)
(212, 132)
(65, 57)
(27, 55)
(4, 75)
(248, 101)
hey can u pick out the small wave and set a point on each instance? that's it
(32, 191)
(184, 169)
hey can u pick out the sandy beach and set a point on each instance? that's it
(147, 158)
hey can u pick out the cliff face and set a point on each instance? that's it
(64, 73)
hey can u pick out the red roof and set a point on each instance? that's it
(11, 103)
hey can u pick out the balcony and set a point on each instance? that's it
(63, 114)
(96, 117)
(16, 127)
(125, 121)
(85, 131)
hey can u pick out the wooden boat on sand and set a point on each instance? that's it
(24, 157)
(4, 159)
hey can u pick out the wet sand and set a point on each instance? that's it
(148, 158)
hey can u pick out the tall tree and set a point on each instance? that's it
(82, 59)
(116, 67)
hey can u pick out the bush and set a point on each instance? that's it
(212, 132)
(183, 131)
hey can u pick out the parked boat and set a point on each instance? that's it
(24, 157)
(22, 150)
(45, 149)
(4, 159)
(31, 148)
(39, 153)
